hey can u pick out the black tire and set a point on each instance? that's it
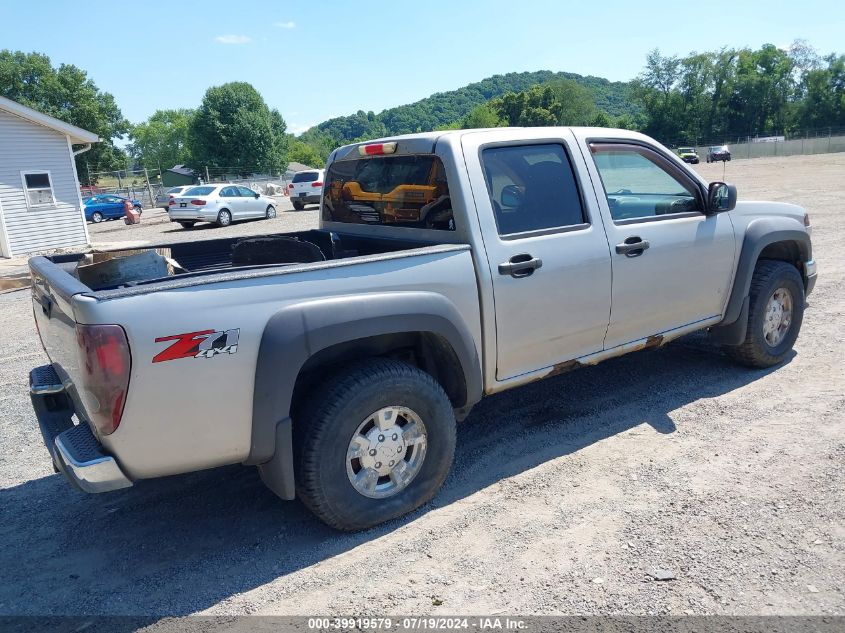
(187, 225)
(224, 218)
(270, 213)
(139, 209)
(97, 217)
(324, 427)
(298, 206)
(768, 277)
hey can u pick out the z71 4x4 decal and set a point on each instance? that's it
(202, 344)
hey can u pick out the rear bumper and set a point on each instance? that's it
(178, 214)
(75, 451)
(308, 199)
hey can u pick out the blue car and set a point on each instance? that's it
(106, 207)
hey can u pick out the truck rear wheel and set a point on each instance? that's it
(775, 313)
(373, 443)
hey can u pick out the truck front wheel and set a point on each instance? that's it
(775, 313)
(373, 443)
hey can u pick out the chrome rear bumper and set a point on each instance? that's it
(75, 451)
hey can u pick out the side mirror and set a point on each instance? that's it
(257, 195)
(511, 197)
(720, 197)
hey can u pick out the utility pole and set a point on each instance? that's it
(119, 182)
(149, 188)
(207, 179)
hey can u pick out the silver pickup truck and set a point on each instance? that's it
(447, 266)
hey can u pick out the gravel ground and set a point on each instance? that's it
(156, 227)
(567, 495)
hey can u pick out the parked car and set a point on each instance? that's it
(165, 197)
(106, 207)
(220, 204)
(688, 155)
(340, 363)
(718, 152)
(306, 187)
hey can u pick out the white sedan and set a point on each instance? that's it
(220, 204)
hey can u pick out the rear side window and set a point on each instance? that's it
(406, 191)
(306, 176)
(532, 188)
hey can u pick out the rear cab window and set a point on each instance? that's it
(396, 190)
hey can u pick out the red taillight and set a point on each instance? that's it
(104, 363)
(290, 186)
(316, 184)
(198, 203)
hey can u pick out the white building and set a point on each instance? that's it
(40, 202)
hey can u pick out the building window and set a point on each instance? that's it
(38, 188)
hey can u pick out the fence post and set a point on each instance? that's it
(149, 188)
(207, 179)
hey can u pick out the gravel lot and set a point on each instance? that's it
(565, 496)
(156, 227)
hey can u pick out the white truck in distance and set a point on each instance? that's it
(447, 266)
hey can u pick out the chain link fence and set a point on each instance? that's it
(820, 141)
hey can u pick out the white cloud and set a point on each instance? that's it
(233, 39)
(285, 25)
(298, 128)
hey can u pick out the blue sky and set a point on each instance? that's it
(315, 60)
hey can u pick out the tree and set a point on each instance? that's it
(162, 140)
(233, 129)
(481, 116)
(67, 93)
(303, 153)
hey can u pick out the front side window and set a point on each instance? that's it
(38, 188)
(403, 191)
(532, 188)
(639, 183)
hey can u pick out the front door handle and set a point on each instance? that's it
(633, 246)
(521, 265)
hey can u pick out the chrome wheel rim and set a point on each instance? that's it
(225, 218)
(271, 213)
(97, 217)
(778, 317)
(386, 452)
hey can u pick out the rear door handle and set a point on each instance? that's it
(521, 265)
(633, 246)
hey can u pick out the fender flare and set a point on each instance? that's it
(759, 234)
(297, 332)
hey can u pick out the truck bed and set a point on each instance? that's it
(213, 261)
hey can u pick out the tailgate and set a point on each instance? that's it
(53, 289)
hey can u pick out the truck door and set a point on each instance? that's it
(672, 263)
(546, 247)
